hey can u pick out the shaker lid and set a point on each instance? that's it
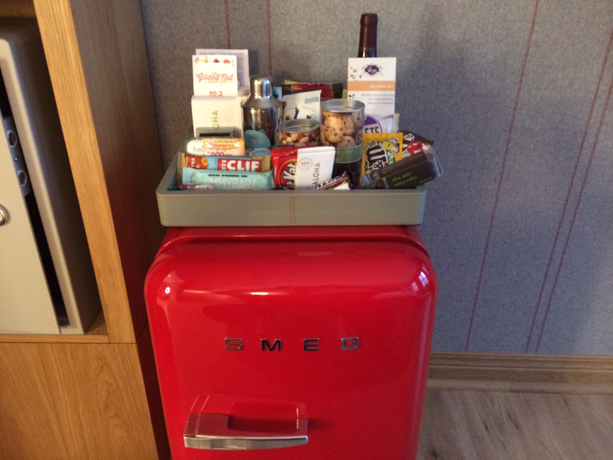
(261, 95)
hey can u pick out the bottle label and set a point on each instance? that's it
(348, 154)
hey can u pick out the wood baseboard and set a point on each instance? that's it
(526, 373)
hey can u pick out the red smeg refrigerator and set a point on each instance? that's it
(292, 342)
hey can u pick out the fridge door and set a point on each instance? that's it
(296, 343)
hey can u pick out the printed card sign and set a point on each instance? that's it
(242, 62)
(372, 81)
(215, 75)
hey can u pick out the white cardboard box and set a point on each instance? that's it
(219, 112)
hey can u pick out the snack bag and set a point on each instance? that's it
(380, 149)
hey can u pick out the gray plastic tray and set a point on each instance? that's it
(275, 208)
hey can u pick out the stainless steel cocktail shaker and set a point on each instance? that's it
(262, 114)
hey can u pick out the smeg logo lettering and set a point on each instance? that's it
(238, 344)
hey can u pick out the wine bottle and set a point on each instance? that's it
(368, 35)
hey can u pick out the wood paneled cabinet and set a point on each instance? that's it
(95, 396)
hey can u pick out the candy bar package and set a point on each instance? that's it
(254, 162)
(409, 172)
(336, 183)
(214, 146)
(313, 166)
(328, 91)
(284, 167)
(246, 163)
(226, 180)
(381, 149)
(412, 143)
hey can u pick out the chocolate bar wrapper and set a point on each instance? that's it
(413, 143)
(408, 172)
(336, 183)
(284, 167)
(313, 166)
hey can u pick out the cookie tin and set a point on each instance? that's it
(342, 126)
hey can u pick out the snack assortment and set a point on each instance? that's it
(301, 135)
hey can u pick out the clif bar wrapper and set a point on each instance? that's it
(246, 163)
(409, 172)
(226, 180)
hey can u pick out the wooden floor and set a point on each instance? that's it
(487, 425)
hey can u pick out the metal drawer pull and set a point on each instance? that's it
(210, 431)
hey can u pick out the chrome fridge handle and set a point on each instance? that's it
(210, 431)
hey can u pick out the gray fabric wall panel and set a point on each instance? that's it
(513, 94)
(580, 317)
(249, 26)
(463, 87)
(593, 140)
(546, 141)
(173, 31)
